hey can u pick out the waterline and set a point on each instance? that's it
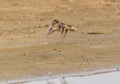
(68, 78)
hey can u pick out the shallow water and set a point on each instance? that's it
(106, 78)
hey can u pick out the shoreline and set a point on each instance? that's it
(81, 74)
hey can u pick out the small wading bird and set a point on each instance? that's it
(57, 25)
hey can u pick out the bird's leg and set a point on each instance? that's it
(65, 32)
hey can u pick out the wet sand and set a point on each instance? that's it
(71, 78)
(25, 51)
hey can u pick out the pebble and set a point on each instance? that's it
(49, 72)
(45, 43)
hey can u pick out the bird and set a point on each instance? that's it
(57, 25)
